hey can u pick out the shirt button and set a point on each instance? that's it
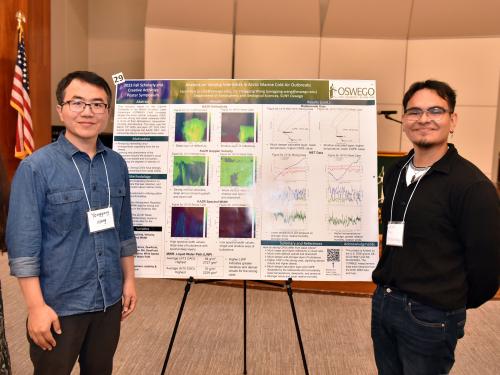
(100, 253)
(94, 187)
(388, 290)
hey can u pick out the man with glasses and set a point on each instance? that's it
(70, 237)
(441, 238)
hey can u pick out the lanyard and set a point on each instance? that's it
(85, 190)
(397, 184)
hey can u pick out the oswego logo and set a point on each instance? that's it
(333, 90)
(343, 92)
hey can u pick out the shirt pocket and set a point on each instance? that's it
(117, 196)
(66, 210)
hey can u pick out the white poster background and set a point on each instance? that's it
(255, 189)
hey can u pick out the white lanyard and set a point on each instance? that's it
(395, 230)
(397, 184)
(99, 219)
(85, 190)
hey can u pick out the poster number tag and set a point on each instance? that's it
(118, 78)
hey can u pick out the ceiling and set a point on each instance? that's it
(384, 19)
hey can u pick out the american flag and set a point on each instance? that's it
(20, 101)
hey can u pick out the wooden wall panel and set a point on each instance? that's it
(8, 47)
(37, 38)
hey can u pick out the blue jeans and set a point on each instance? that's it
(411, 338)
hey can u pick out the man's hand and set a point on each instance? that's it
(40, 321)
(129, 298)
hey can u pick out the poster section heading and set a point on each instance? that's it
(251, 179)
(245, 91)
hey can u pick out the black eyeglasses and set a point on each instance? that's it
(78, 106)
(434, 113)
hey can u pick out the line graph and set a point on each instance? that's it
(344, 218)
(289, 168)
(289, 193)
(291, 126)
(340, 125)
(344, 168)
(350, 194)
(289, 219)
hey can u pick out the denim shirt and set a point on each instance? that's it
(47, 230)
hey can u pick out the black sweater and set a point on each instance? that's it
(451, 249)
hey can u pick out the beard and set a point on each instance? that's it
(424, 144)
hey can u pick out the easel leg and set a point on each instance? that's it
(179, 315)
(297, 329)
(244, 326)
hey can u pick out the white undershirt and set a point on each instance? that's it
(414, 173)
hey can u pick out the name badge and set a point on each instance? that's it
(395, 231)
(100, 220)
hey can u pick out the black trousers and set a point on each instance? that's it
(90, 337)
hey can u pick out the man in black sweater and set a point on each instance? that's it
(441, 242)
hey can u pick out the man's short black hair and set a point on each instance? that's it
(85, 76)
(441, 88)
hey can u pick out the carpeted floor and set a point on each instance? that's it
(335, 332)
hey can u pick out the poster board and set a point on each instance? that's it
(251, 179)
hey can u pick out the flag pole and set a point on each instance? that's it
(20, 99)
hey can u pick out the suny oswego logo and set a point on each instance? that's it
(352, 90)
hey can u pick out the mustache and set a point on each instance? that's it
(428, 125)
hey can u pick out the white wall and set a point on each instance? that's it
(171, 53)
(472, 67)
(69, 42)
(102, 36)
(113, 35)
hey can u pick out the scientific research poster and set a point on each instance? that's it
(251, 179)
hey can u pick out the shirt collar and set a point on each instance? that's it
(69, 149)
(442, 165)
